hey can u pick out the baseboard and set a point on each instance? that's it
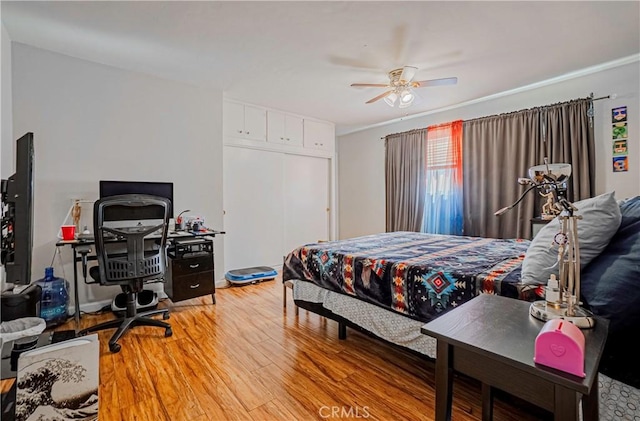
(222, 283)
(95, 306)
(92, 307)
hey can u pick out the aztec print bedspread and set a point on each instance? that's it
(415, 274)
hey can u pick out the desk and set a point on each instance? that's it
(83, 243)
(491, 338)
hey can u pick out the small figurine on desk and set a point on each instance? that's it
(549, 209)
(76, 213)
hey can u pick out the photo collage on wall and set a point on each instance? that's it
(620, 136)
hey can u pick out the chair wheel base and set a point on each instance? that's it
(114, 348)
(168, 332)
(166, 316)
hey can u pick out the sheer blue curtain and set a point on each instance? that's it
(443, 206)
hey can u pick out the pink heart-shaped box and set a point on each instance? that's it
(560, 345)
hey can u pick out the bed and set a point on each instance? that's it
(390, 284)
(418, 275)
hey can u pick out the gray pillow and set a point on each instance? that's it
(600, 221)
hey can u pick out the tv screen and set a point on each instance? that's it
(116, 188)
(17, 215)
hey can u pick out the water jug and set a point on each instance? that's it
(55, 298)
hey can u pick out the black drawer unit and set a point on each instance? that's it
(190, 273)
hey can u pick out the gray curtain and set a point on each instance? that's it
(405, 185)
(570, 139)
(497, 150)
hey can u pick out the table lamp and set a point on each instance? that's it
(562, 294)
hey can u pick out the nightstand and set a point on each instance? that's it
(536, 225)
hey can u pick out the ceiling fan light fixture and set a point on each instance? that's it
(391, 99)
(406, 98)
(400, 87)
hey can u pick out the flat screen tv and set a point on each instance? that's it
(17, 215)
(153, 188)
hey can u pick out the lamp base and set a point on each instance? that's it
(541, 310)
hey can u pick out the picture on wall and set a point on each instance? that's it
(619, 135)
(618, 114)
(619, 130)
(620, 164)
(619, 147)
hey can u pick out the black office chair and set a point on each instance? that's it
(142, 259)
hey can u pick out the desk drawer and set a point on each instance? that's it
(191, 286)
(190, 277)
(190, 265)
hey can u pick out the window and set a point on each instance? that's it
(443, 201)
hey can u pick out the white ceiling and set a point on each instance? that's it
(303, 56)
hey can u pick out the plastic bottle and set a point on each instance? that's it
(553, 290)
(55, 298)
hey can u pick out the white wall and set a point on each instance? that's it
(6, 152)
(6, 132)
(93, 122)
(361, 206)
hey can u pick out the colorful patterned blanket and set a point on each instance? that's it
(419, 275)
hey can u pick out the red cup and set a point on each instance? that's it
(68, 232)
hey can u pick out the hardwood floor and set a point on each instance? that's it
(247, 358)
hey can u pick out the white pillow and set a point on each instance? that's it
(600, 221)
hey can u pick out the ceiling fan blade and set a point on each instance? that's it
(379, 97)
(435, 82)
(408, 72)
(371, 85)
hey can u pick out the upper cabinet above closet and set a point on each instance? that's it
(319, 135)
(284, 128)
(244, 121)
(256, 127)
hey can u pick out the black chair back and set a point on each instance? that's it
(143, 258)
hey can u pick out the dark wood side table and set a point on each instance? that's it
(491, 338)
(536, 225)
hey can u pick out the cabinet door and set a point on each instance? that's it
(319, 135)
(253, 208)
(293, 130)
(233, 119)
(255, 123)
(275, 127)
(306, 200)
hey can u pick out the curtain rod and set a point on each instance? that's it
(407, 132)
(611, 96)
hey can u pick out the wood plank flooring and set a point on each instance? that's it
(247, 358)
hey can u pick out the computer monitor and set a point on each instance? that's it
(116, 188)
(17, 215)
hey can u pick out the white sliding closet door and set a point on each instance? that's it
(254, 211)
(306, 200)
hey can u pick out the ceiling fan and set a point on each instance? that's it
(401, 85)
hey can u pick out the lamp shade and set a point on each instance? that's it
(559, 173)
(406, 98)
(391, 99)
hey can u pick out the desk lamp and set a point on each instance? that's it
(562, 295)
